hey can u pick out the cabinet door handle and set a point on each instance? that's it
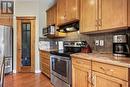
(94, 81)
(96, 23)
(111, 70)
(106, 70)
(79, 62)
(102, 68)
(89, 77)
(100, 22)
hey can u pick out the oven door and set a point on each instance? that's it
(61, 68)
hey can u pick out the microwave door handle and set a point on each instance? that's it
(67, 71)
(128, 49)
(53, 64)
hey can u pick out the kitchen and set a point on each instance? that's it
(74, 43)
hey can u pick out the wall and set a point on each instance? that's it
(107, 37)
(31, 8)
(43, 6)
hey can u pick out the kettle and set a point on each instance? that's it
(86, 49)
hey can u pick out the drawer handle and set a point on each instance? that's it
(102, 68)
(89, 77)
(106, 70)
(111, 70)
(94, 81)
(79, 62)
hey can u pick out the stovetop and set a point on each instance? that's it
(62, 53)
(70, 47)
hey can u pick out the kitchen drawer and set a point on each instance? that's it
(45, 65)
(45, 70)
(44, 60)
(45, 55)
(81, 62)
(112, 70)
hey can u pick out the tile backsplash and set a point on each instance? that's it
(106, 37)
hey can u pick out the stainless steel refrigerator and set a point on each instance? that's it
(6, 37)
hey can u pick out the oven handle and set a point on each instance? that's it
(53, 63)
(58, 57)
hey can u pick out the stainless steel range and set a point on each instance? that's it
(61, 63)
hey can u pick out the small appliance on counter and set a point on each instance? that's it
(86, 49)
(120, 45)
(61, 63)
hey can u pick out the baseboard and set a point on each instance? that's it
(14, 71)
(37, 71)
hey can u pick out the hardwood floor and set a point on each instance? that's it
(27, 80)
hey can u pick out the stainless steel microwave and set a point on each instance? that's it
(51, 30)
(45, 31)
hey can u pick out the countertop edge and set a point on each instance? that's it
(106, 61)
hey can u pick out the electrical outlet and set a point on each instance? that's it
(97, 42)
(101, 42)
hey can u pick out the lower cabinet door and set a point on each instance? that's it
(80, 77)
(101, 80)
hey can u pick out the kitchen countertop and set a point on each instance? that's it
(48, 50)
(105, 58)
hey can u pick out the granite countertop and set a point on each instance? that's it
(105, 58)
(48, 50)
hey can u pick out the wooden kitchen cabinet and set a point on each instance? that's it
(128, 13)
(88, 73)
(111, 70)
(103, 15)
(81, 73)
(52, 20)
(61, 12)
(45, 63)
(72, 10)
(67, 11)
(6, 20)
(101, 80)
(112, 14)
(81, 77)
(52, 15)
(49, 19)
(88, 16)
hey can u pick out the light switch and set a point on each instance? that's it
(97, 42)
(101, 42)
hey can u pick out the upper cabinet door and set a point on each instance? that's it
(55, 14)
(88, 16)
(72, 10)
(61, 11)
(6, 20)
(52, 15)
(48, 17)
(128, 13)
(112, 14)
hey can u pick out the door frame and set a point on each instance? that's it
(21, 19)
